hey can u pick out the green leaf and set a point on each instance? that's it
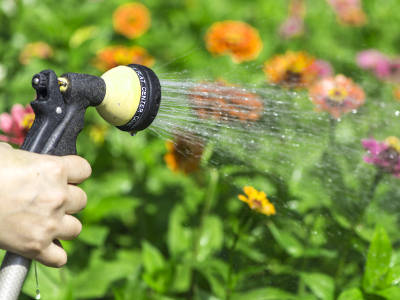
(287, 241)
(389, 293)
(379, 255)
(321, 285)
(51, 283)
(182, 278)
(215, 271)
(203, 295)
(393, 276)
(264, 294)
(94, 235)
(351, 294)
(95, 280)
(152, 258)
(179, 236)
(112, 206)
(211, 238)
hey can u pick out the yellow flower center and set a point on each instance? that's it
(338, 94)
(27, 121)
(393, 142)
(233, 38)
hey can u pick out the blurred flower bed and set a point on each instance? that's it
(163, 222)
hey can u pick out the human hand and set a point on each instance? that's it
(37, 198)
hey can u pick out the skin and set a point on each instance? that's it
(38, 195)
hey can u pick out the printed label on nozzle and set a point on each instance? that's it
(143, 96)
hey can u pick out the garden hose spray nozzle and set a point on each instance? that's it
(126, 96)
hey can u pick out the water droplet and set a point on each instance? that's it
(397, 113)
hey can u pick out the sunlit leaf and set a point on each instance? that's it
(264, 294)
(211, 238)
(351, 294)
(94, 235)
(179, 235)
(378, 260)
(321, 285)
(287, 241)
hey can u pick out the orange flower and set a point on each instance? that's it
(337, 95)
(237, 39)
(113, 56)
(184, 153)
(131, 20)
(294, 69)
(257, 201)
(349, 12)
(396, 93)
(223, 101)
(37, 49)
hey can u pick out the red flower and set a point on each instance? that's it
(17, 124)
(337, 95)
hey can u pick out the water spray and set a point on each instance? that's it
(127, 97)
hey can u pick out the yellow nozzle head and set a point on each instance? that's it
(132, 98)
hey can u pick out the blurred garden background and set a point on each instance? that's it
(315, 217)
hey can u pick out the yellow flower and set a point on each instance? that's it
(97, 133)
(40, 50)
(393, 142)
(257, 200)
(292, 69)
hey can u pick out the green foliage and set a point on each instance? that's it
(153, 234)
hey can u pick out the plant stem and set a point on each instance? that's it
(242, 226)
(209, 200)
(369, 197)
(332, 127)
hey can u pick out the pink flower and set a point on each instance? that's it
(322, 68)
(292, 27)
(385, 155)
(337, 95)
(16, 125)
(369, 59)
(349, 12)
(294, 24)
(382, 66)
